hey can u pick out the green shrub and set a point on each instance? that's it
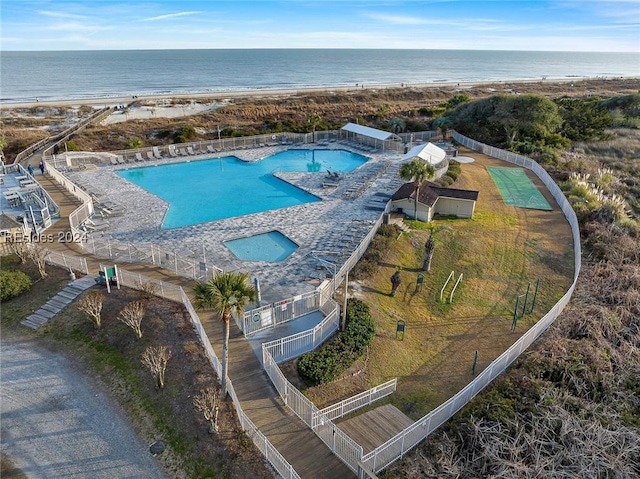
(446, 180)
(389, 231)
(71, 146)
(330, 361)
(13, 283)
(184, 134)
(133, 143)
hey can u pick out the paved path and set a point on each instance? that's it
(55, 423)
(56, 304)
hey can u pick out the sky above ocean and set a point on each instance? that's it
(556, 25)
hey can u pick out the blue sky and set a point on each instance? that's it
(558, 25)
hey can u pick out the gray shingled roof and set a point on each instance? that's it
(430, 192)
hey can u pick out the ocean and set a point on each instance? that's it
(67, 75)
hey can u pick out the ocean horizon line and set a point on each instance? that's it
(322, 48)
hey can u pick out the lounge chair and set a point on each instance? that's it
(183, 152)
(172, 151)
(156, 153)
(120, 159)
(211, 149)
(113, 160)
(190, 150)
(150, 155)
(139, 157)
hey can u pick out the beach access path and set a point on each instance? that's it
(300, 446)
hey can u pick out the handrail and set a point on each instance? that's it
(365, 398)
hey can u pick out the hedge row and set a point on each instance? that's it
(330, 361)
(451, 175)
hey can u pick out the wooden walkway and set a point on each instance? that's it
(375, 427)
(308, 455)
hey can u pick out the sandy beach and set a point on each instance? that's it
(102, 102)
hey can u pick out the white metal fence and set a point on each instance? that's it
(283, 349)
(271, 315)
(68, 262)
(151, 254)
(345, 448)
(398, 445)
(80, 214)
(365, 398)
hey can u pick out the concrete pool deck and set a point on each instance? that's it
(336, 224)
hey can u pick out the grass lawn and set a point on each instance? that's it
(499, 252)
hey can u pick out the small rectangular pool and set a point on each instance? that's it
(209, 190)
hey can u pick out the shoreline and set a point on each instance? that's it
(102, 102)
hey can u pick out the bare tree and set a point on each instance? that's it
(38, 255)
(156, 358)
(132, 315)
(147, 289)
(19, 247)
(208, 403)
(91, 304)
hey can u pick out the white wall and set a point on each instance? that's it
(408, 207)
(455, 207)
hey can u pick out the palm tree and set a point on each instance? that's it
(418, 171)
(397, 125)
(314, 120)
(225, 293)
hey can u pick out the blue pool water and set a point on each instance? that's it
(209, 190)
(272, 246)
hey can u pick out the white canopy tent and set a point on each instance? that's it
(429, 152)
(368, 135)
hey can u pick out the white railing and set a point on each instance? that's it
(398, 445)
(354, 258)
(68, 262)
(150, 254)
(289, 347)
(345, 448)
(271, 315)
(80, 214)
(267, 449)
(365, 398)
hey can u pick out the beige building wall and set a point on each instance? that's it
(454, 207)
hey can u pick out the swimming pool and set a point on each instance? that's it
(272, 246)
(219, 188)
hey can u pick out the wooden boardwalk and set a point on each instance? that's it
(376, 427)
(308, 455)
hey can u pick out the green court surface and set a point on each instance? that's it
(517, 189)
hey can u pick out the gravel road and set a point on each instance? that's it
(55, 423)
